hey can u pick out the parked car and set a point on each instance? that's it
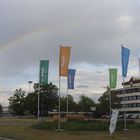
(105, 116)
(128, 116)
(121, 116)
(134, 116)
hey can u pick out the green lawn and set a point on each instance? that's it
(23, 132)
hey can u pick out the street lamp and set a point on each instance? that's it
(110, 102)
(30, 82)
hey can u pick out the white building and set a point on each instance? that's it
(130, 96)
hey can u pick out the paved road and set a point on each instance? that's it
(1, 138)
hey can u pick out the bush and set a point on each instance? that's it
(45, 125)
(130, 124)
(74, 125)
(55, 119)
(79, 117)
(85, 126)
(95, 125)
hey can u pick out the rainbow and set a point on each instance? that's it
(21, 38)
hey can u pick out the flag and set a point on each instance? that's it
(125, 60)
(112, 77)
(113, 121)
(71, 76)
(64, 61)
(43, 73)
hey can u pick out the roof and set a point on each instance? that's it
(133, 80)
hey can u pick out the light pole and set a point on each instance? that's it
(109, 97)
(30, 82)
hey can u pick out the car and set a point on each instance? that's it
(105, 116)
(134, 116)
(121, 116)
(128, 116)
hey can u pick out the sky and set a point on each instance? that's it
(32, 30)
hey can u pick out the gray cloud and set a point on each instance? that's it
(95, 30)
(33, 29)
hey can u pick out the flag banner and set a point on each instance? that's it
(64, 61)
(112, 77)
(71, 76)
(125, 60)
(113, 121)
(43, 73)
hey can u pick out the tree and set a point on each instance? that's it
(85, 103)
(0, 108)
(71, 104)
(48, 98)
(17, 102)
(31, 103)
(104, 106)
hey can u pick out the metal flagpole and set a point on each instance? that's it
(38, 101)
(109, 90)
(38, 93)
(124, 106)
(67, 102)
(110, 102)
(59, 116)
(139, 64)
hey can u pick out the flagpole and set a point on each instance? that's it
(109, 90)
(67, 102)
(38, 93)
(125, 61)
(38, 101)
(124, 106)
(110, 101)
(59, 117)
(139, 65)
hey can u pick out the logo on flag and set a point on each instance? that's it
(125, 60)
(71, 76)
(113, 122)
(43, 74)
(112, 77)
(64, 61)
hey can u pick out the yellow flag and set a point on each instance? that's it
(64, 60)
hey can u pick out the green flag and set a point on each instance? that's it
(112, 77)
(43, 73)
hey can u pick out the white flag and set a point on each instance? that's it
(113, 121)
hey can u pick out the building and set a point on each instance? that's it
(5, 112)
(130, 96)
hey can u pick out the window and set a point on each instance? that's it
(126, 105)
(134, 97)
(134, 105)
(138, 97)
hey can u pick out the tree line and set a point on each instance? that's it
(21, 104)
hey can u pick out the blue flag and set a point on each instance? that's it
(125, 60)
(71, 76)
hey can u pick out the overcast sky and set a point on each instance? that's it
(31, 30)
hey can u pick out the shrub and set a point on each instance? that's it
(55, 119)
(44, 125)
(79, 117)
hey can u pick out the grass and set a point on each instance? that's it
(74, 126)
(12, 119)
(96, 125)
(23, 132)
(26, 133)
